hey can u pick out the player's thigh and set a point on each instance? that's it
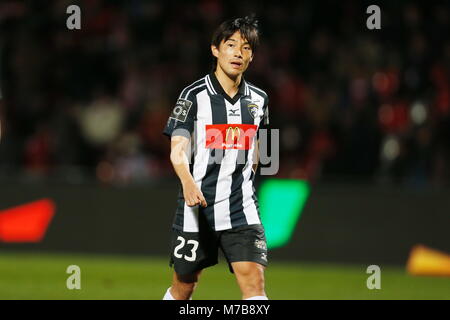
(192, 251)
(245, 244)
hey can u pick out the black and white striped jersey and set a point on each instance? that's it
(223, 133)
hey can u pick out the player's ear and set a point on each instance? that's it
(251, 58)
(215, 51)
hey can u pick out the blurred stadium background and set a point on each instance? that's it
(364, 119)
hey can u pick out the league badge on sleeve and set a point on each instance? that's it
(181, 110)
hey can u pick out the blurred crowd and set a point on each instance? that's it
(350, 103)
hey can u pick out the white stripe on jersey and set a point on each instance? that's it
(210, 86)
(190, 218)
(247, 90)
(222, 219)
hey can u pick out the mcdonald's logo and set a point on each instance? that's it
(230, 136)
(235, 133)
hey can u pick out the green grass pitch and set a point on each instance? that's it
(43, 276)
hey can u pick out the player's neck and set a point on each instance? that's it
(229, 85)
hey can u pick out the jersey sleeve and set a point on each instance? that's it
(181, 120)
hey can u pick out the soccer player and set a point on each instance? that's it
(218, 117)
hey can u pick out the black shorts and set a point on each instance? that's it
(194, 251)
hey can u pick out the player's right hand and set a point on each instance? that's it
(192, 195)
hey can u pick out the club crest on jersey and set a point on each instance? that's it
(253, 109)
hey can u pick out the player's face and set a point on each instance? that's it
(233, 55)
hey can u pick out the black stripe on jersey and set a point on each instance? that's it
(257, 90)
(237, 214)
(179, 216)
(183, 94)
(209, 183)
(255, 199)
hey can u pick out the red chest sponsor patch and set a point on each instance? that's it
(230, 136)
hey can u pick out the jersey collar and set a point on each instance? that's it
(216, 88)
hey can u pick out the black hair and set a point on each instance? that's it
(247, 26)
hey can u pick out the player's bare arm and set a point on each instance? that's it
(192, 194)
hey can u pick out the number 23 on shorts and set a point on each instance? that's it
(183, 242)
